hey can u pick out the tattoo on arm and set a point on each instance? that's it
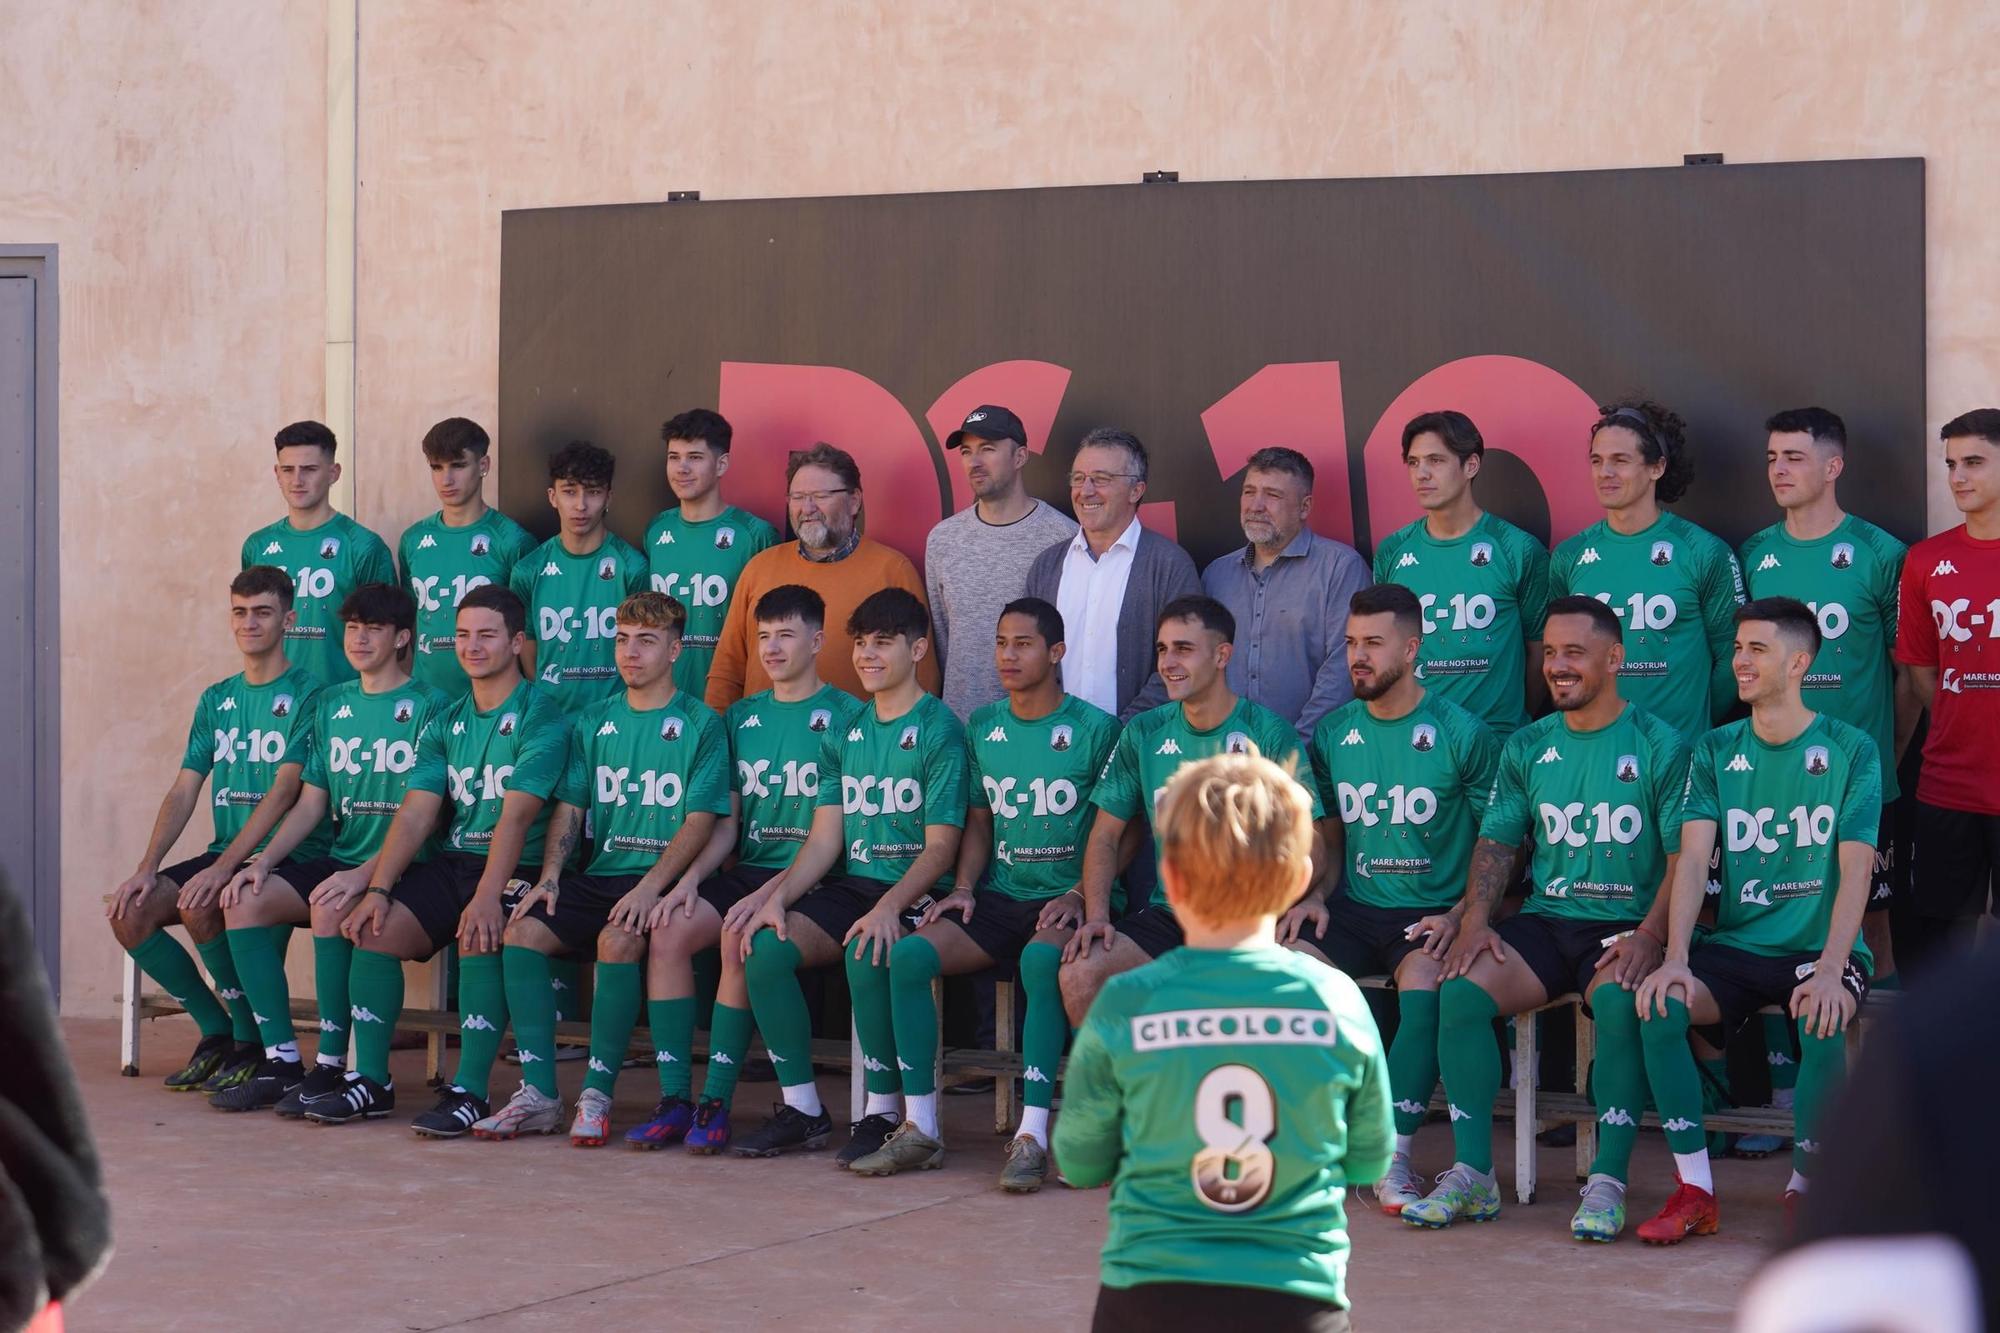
(1492, 868)
(565, 842)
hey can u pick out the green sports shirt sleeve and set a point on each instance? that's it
(1700, 801)
(1861, 803)
(1371, 1116)
(708, 781)
(1279, 741)
(1089, 1132)
(1532, 594)
(1480, 751)
(376, 564)
(829, 762)
(1671, 763)
(430, 771)
(1507, 815)
(1120, 788)
(199, 756)
(1721, 587)
(544, 754)
(575, 789)
(944, 777)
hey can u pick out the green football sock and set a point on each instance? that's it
(1471, 1066)
(913, 966)
(376, 985)
(161, 957)
(482, 1020)
(1780, 1054)
(532, 1004)
(772, 974)
(1413, 1058)
(221, 965)
(566, 980)
(874, 1023)
(1045, 1030)
(614, 1009)
(1675, 1078)
(1618, 1080)
(728, 1044)
(1822, 1069)
(333, 959)
(255, 954)
(672, 1022)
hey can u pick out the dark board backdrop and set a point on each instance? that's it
(1213, 319)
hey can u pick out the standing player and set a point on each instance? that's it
(892, 801)
(1950, 616)
(252, 732)
(364, 746)
(572, 583)
(1793, 798)
(1201, 717)
(327, 554)
(496, 754)
(1599, 782)
(1017, 896)
(465, 545)
(1672, 585)
(1231, 1092)
(1403, 775)
(697, 548)
(1483, 582)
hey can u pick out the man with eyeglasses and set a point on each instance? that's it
(823, 500)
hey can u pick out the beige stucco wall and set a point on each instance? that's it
(175, 151)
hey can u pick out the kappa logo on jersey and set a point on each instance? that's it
(908, 740)
(854, 734)
(1238, 743)
(666, 539)
(670, 730)
(1168, 746)
(551, 570)
(1944, 567)
(1816, 760)
(1663, 553)
(754, 720)
(1424, 737)
(607, 568)
(1843, 555)
(428, 543)
(1549, 756)
(1627, 768)
(274, 548)
(725, 538)
(344, 711)
(458, 728)
(1353, 737)
(821, 719)
(1771, 562)
(281, 706)
(1408, 559)
(226, 706)
(480, 544)
(405, 710)
(1059, 739)
(508, 723)
(1589, 556)
(1482, 554)
(608, 729)
(997, 734)
(1738, 764)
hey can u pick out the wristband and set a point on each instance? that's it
(373, 888)
(1641, 930)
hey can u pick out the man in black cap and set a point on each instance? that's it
(977, 560)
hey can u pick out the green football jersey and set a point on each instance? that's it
(1781, 813)
(441, 564)
(326, 563)
(1410, 793)
(890, 779)
(1158, 741)
(1605, 808)
(572, 603)
(1231, 1096)
(242, 734)
(474, 759)
(1036, 778)
(1675, 589)
(637, 775)
(364, 748)
(776, 747)
(1483, 595)
(1850, 579)
(697, 564)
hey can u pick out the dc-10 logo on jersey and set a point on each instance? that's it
(670, 730)
(1482, 554)
(1424, 737)
(1663, 553)
(1059, 739)
(607, 568)
(1628, 768)
(909, 739)
(329, 548)
(508, 723)
(822, 718)
(281, 706)
(1816, 760)
(405, 710)
(481, 544)
(1237, 743)
(1843, 554)
(725, 538)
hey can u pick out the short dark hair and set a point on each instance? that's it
(1825, 427)
(494, 597)
(1454, 428)
(823, 455)
(1204, 611)
(380, 604)
(1794, 619)
(1111, 437)
(1048, 620)
(260, 579)
(1662, 434)
(891, 611)
(1277, 458)
(305, 432)
(1601, 616)
(1391, 599)
(1983, 422)
(791, 599)
(584, 463)
(444, 442)
(698, 423)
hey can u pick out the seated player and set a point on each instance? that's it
(1017, 896)
(891, 803)
(364, 746)
(1403, 774)
(1599, 782)
(775, 736)
(649, 776)
(496, 754)
(252, 732)
(1231, 1091)
(1795, 797)
(1195, 637)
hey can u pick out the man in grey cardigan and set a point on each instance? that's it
(1112, 578)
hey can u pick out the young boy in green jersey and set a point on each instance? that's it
(327, 554)
(890, 809)
(1404, 775)
(648, 775)
(1232, 1090)
(364, 746)
(1017, 892)
(774, 737)
(486, 766)
(1793, 797)
(251, 732)
(697, 548)
(1599, 783)
(1202, 716)
(573, 582)
(466, 544)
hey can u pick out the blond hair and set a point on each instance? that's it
(1237, 830)
(653, 610)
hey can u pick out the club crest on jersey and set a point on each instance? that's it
(1663, 553)
(909, 739)
(481, 544)
(1816, 760)
(1482, 554)
(821, 719)
(670, 730)
(607, 568)
(1059, 739)
(1424, 737)
(1843, 554)
(508, 723)
(281, 706)
(405, 710)
(329, 548)
(1628, 768)
(725, 538)
(1237, 743)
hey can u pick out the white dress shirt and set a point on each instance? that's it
(1090, 597)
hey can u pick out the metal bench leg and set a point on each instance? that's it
(1586, 1058)
(1004, 1110)
(1524, 1107)
(128, 1018)
(440, 1001)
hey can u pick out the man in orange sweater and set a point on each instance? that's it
(823, 496)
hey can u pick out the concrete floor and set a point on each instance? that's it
(251, 1222)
